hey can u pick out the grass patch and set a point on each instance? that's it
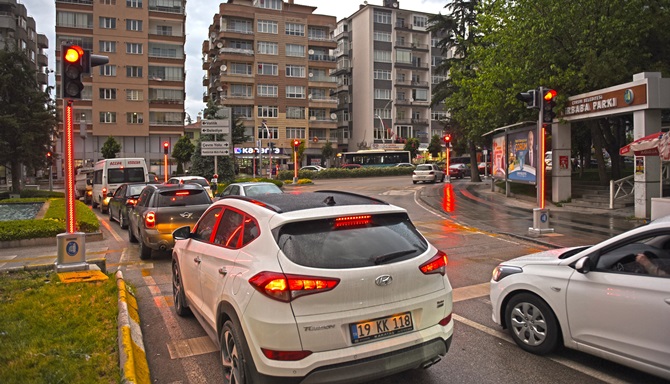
(52, 332)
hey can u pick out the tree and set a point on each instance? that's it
(182, 152)
(327, 152)
(27, 115)
(435, 146)
(110, 148)
(412, 145)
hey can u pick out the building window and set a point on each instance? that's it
(108, 93)
(241, 44)
(241, 26)
(133, 71)
(265, 132)
(317, 114)
(420, 21)
(108, 46)
(108, 117)
(438, 115)
(108, 23)
(134, 3)
(295, 71)
(382, 36)
(295, 29)
(295, 50)
(241, 90)
(243, 111)
(295, 113)
(295, 133)
(239, 69)
(108, 70)
(134, 48)
(74, 20)
(320, 34)
(264, 90)
(134, 95)
(383, 113)
(295, 92)
(402, 56)
(267, 48)
(267, 26)
(134, 25)
(134, 118)
(268, 111)
(383, 94)
(420, 94)
(269, 4)
(436, 79)
(382, 56)
(380, 74)
(163, 30)
(268, 69)
(382, 17)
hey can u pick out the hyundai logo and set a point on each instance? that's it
(186, 215)
(384, 280)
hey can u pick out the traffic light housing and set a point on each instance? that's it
(72, 67)
(166, 147)
(548, 104)
(529, 97)
(447, 138)
(296, 143)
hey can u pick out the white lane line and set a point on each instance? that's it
(470, 292)
(5, 259)
(109, 228)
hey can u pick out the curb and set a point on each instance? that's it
(40, 241)
(133, 360)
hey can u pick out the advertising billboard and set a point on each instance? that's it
(515, 156)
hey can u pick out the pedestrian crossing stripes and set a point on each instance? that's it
(6, 259)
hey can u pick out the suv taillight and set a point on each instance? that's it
(150, 220)
(104, 193)
(436, 264)
(285, 287)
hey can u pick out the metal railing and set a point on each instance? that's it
(620, 189)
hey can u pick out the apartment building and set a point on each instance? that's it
(138, 97)
(385, 98)
(270, 61)
(18, 29)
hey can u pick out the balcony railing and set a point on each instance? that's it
(411, 83)
(411, 45)
(322, 58)
(83, 2)
(242, 31)
(176, 10)
(239, 51)
(323, 99)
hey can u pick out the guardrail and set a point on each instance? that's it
(621, 188)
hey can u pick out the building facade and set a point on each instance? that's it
(18, 29)
(270, 61)
(138, 97)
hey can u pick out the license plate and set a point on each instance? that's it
(381, 327)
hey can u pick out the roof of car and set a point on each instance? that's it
(188, 177)
(173, 187)
(287, 202)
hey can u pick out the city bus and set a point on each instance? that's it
(376, 158)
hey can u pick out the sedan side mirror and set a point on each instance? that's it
(583, 265)
(182, 233)
(110, 194)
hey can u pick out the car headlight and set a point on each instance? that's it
(502, 271)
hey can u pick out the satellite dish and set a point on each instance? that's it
(223, 68)
(212, 36)
(395, 4)
(219, 45)
(333, 116)
(219, 89)
(311, 74)
(311, 51)
(310, 96)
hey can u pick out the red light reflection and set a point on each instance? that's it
(449, 198)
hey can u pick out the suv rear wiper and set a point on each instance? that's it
(390, 256)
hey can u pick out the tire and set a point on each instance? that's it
(178, 296)
(122, 221)
(109, 210)
(131, 236)
(145, 252)
(103, 209)
(93, 203)
(413, 181)
(532, 324)
(443, 177)
(236, 363)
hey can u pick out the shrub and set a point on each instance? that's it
(27, 193)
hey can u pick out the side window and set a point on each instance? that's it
(251, 230)
(646, 256)
(97, 177)
(229, 231)
(144, 197)
(120, 192)
(206, 225)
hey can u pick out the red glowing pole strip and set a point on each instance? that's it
(295, 162)
(447, 160)
(70, 218)
(541, 163)
(166, 167)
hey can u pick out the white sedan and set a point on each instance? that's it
(607, 300)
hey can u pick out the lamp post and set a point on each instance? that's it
(267, 131)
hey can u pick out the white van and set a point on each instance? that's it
(110, 173)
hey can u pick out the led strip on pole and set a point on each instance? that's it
(70, 216)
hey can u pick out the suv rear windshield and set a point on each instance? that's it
(202, 182)
(384, 239)
(180, 198)
(124, 175)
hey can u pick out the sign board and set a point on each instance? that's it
(214, 145)
(215, 152)
(215, 123)
(215, 130)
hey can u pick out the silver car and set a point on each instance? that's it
(428, 173)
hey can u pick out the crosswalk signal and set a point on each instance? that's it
(548, 104)
(72, 68)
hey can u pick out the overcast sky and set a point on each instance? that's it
(199, 16)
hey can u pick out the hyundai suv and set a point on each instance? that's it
(314, 287)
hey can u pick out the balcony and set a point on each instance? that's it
(409, 27)
(327, 58)
(42, 60)
(179, 10)
(411, 84)
(42, 41)
(411, 45)
(411, 65)
(205, 80)
(340, 70)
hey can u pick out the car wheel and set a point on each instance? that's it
(109, 210)
(233, 355)
(413, 181)
(443, 176)
(122, 221)
(104, 209)
(145, 252)
(94, 204)
(178, 297)
(532, 324)
(131, 235)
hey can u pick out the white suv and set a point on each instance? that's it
(318, 287)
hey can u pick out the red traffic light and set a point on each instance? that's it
(447, 139)
(296, 143)
(73, 53)
(166, 146)
(549, 95)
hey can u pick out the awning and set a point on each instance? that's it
(656, 144)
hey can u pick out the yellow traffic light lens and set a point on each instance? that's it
(72, 54)
(550, 94)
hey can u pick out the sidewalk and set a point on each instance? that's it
(479, 207)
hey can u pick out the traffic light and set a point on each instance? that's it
(296, 144)
(166, 147)
(447, 138)
(72, 67)
(529, 97)
(548, 104)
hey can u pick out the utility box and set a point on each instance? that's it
(71, 252)
(540, 221)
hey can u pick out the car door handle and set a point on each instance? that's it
(197, 260)
(222, 271)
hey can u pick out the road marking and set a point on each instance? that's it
(5, 259)
(109, 228)
(470, 292)
(180, 349)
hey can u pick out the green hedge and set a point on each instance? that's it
(26, 193)
(52, 224)
(339, 173)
